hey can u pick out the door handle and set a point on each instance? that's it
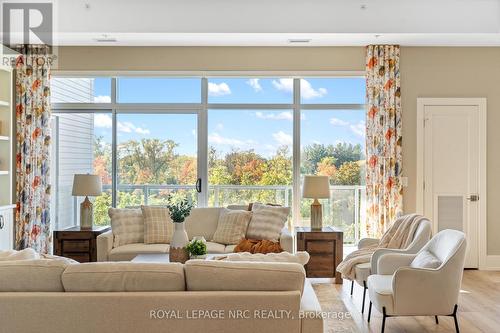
(2, 222)
(473, 197)
(198, 185)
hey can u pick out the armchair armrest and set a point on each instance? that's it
(391, 262)
(286, 240)
(424, 291)
(104, 245)
(365, 242)
(382, 252)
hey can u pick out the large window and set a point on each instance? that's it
(217, 141)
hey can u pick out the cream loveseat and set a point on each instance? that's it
(201, 296)
(201, 222)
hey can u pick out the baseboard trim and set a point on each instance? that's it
(491, 263)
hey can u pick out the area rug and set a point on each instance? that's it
(337, 318)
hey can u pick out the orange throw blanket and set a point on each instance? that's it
(258, 246)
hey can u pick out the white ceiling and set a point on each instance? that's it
(274, 22)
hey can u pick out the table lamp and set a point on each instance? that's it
(316, 187)
(86, 185)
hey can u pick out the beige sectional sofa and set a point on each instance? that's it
(200, 296)
(201, 222)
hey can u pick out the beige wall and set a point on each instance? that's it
(426, 72)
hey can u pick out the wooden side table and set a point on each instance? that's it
(78, 244)
(325, 247)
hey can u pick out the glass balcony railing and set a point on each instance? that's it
(345, 208)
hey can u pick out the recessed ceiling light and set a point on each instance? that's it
(299, 40)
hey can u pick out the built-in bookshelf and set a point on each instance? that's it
(7, 153)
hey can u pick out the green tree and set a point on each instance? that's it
(278, 169)
(149, 161)
(346, 152)
(349, 173)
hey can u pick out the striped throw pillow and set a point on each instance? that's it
(267, 222)
(127, 226)
(158, 227)
(232, 226)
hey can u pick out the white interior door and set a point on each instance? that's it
(451, 170)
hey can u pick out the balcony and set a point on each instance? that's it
(344, 209)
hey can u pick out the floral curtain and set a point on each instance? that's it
(33, 148)
(383, 138)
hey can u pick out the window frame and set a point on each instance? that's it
(201, 109)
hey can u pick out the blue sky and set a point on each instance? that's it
(261, 130)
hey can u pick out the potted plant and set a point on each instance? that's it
(197, 248)
(179, 210)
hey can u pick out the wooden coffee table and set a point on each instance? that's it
(164, 257)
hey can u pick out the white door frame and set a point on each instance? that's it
(484, 262)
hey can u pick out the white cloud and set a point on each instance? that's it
(103, 120)
(254, 83)
(143, 131)
(285, 115)
(338, 122)
(359, 128)
(216, 138)
(306, 89)
(308, 92)
(102, 99)
(282, 138)
(219, 127)
(285, 85)
(220, 89)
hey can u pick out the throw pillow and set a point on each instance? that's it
(158, 227)
(425, 259)
(232, 226)
(127, 226)
(258, 246)
(267, 222)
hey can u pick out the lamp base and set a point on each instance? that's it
(316, 215)
(86, 214)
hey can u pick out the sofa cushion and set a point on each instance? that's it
(215, 247)
(425, 259)
(267, 222)
(127, 225)
(158, 227)
(301, 257)
(38, 275)
(202, 222)
(205, 275)
(229, 248)
(124, 276)
(26, 254)
(232, 226)
(130, 251)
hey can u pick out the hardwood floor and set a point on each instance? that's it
(479, 309)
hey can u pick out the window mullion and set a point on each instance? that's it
(114, 158)
(296, 153)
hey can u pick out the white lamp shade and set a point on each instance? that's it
(87, 185)
(316, 187)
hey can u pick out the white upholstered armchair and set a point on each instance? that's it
(406, 286)
(363, 271)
